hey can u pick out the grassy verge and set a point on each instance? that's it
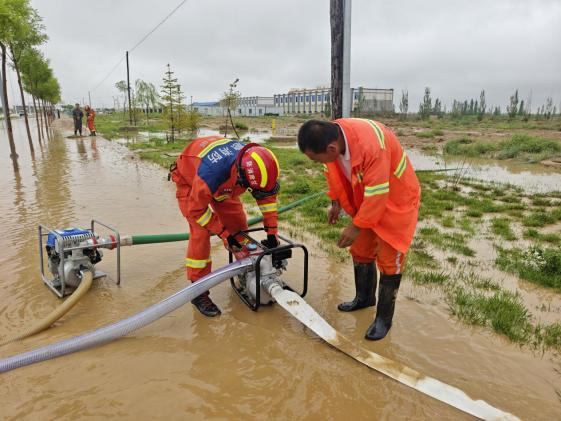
(481, 301)
(520, 146)
(536, 264)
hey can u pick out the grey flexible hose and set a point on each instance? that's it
(124, 327)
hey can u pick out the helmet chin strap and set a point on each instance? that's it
(261, 194)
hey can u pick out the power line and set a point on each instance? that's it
(108, 74)
(140, 42)
(158, 25)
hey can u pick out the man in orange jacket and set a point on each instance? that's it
(371, 178)
(210, 174)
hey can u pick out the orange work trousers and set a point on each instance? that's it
(197, 258)
(368, 248)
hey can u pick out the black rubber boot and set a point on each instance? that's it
(365, 284)
(205, 305)
(389, 285)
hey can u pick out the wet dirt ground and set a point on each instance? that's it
(242, 364)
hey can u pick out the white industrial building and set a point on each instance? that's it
(250, 106)
(302, 101)
(312, 101)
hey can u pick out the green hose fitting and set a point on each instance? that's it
(167, 238)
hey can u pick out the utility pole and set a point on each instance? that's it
(129, 89)
(340, 19)
(89, 99)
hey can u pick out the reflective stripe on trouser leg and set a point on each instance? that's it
(390, 261)
(197, 257)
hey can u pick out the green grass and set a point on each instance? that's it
(503, 311)
(429, 133)
(534, 147)
(429, 277)
(501, 227)
(539, 219)
(466, 146)
(536, 264)
(446, 241)
(448, 221)
(551, 335)
(521, 146)
(452, 259)
(548, 238)
(419, 257)
(110, 125)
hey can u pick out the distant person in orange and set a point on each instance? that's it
(90, 116)
(371, 178)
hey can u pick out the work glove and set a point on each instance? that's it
(232, 244)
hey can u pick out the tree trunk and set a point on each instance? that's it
(13, 153)
(16, 67)
(41, 120)
(45, 119)
(37, 118)
(336, 20)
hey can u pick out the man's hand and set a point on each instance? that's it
(348, 236)
(333, 212)
(231, 244)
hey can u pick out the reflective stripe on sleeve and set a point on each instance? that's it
(401, 166)
(197, 264)
(205, 218)
(377, 189)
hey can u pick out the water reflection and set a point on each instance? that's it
(530, 177)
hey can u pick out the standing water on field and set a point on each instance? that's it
(242, 364)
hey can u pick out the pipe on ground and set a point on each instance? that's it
(58, 312)
(124, 327)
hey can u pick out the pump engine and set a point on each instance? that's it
(70, 252)
(269, 265)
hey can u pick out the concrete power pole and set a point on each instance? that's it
(340, 19)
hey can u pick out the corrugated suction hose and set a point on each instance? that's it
(57, 313)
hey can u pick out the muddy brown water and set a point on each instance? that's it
(242, 364)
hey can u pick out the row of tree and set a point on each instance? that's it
(476, 107)
(21, 32)
(145, 99)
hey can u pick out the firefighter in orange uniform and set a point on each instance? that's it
(90, 116)
(210, 174)
(371, 178)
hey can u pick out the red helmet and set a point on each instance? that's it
(258, 168)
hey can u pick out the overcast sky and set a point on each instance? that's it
(456, 48)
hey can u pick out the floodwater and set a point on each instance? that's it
(241, 365)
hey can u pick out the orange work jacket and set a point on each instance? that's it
(384, 192)
(206, 173)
